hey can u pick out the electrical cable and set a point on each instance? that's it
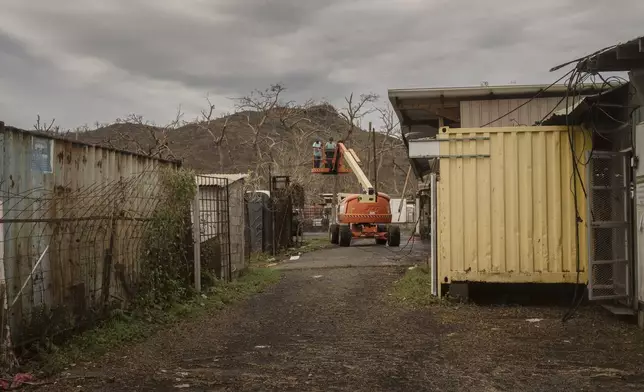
(529, 100)
(568, 315)
(575, 80)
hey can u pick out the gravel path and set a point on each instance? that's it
(326, 328)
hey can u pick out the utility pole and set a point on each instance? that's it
(372, 131)
(369, 155)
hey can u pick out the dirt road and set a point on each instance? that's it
(327, 328)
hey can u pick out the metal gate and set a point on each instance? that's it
(211, 209)
(610, 270)
(282, 197)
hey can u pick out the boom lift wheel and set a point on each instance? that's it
(393, 235)
(335, 232)
(345, 235)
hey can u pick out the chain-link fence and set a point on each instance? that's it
(610, 269)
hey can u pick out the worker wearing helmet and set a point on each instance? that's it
(329, 150)
(317, 153)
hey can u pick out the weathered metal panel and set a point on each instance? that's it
(476, 114)
(510, 217)
(639, 207)
(73, 221)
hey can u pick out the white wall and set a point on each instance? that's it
(397, 217)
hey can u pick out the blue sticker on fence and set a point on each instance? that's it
(41, 155)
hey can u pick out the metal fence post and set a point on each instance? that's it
(433, 232)
(196, 235)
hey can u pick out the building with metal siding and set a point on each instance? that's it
(527, 111)
(421, 111)
(504, 210)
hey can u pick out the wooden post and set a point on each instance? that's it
(196, 237)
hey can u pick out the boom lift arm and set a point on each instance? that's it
(351, 158)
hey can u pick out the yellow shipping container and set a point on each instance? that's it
(506, 210)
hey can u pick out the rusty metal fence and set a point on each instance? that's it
(74, 220)
(68, 253)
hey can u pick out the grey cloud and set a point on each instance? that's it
(160, 53)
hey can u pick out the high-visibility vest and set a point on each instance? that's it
(329, 146)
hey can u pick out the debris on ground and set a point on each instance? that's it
(533, 320)
(317, 276)
(18, 381)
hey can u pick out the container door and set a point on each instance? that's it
(610, 269)
(639, 196)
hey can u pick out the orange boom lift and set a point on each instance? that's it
(363, 215)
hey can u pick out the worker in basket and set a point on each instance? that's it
(317, 153)
(329, 150)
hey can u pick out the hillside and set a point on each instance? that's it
(283, 139)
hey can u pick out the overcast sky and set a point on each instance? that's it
(83, 61)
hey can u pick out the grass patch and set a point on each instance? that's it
(311, 245)
(307, 246)
(137, 325)
(414, 289)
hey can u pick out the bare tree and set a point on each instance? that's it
(216, 131)
(390, 129)
(355, 110)
(47, 127)
(159, 145)
(257, 108)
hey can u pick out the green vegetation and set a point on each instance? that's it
(308, 245)
(163, 294)
(134, 326)
(414, 289)
(166, 273)
(313, 244)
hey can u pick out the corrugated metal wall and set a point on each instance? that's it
(73, 220)
(475, 114)
(509, 217)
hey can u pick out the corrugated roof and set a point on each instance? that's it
(478, 92)
(217, 179)
(579, 106)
